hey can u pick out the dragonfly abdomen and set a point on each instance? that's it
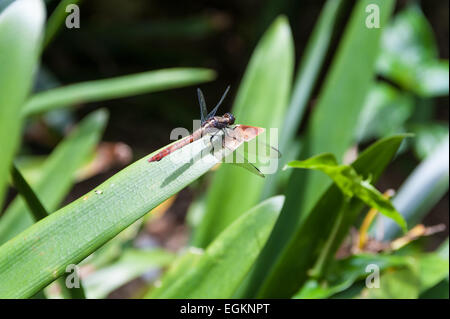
(172, 148)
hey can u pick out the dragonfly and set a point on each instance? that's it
(234, 135)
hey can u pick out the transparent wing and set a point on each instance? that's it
(213, 112)
(241, 161)
(203, 110)
(250, 167)
(262, 149)
(256, 146)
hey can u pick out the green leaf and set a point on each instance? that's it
(261, 101)
(114, 248)
(443, 250)
(187, 260)
(56, 20)
(308, 72)
(427, 136)
(424, 271)
(26, 192)
(423, 188)
(331, 129)
(4, 4)
(301, 252)
(127, 85)
(409, 55)
(400, 284)
(57, 174)
(384, 113)
(343, 273)
(132, 264)
(39, 212)
(334, 120)
(21, 25)
(439, 290)
(31, 166)
(219, 271)
(432, 270)
(38, 255)
(351, 184)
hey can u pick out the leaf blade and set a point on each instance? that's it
(351, 184)
(331, 129)
(218, 272)
(58, 174)
(315, 229)
(122, 86)
(38, 255)
(21, 25)
(261, 101)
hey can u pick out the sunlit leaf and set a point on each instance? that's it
(57, 174)
(132, 264)
(21, 25)
(344, 273)
(331, 128)
(40, 254)
(261, 100)
(127, 85)
(291, 270)
(218, 272)
(409, 55)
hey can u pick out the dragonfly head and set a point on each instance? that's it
(230, 118)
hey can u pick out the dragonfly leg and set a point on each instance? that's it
(226, 133)
(211, 141)
(223, 139)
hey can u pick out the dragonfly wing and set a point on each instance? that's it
(203, 110)
(213, 112)
(257, 146)
(241, 161)
(250, 167)
(262, 149)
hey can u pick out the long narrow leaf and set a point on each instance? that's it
(26, 192)
(132, 264)
(219, 271)
(39, 212)
(58, 174)
(351, 184)
(309, 69)
(421, 191)
(331, 128)
(300, 254)
(91, 91)
(261, 100)
(56, 20)
(21, 25)
(37, 256)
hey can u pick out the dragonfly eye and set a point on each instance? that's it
(231, 117)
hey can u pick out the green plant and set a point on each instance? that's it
(253, 244)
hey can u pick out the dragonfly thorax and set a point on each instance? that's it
(230, 118)
(220, 122)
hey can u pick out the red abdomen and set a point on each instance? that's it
(159, 156)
